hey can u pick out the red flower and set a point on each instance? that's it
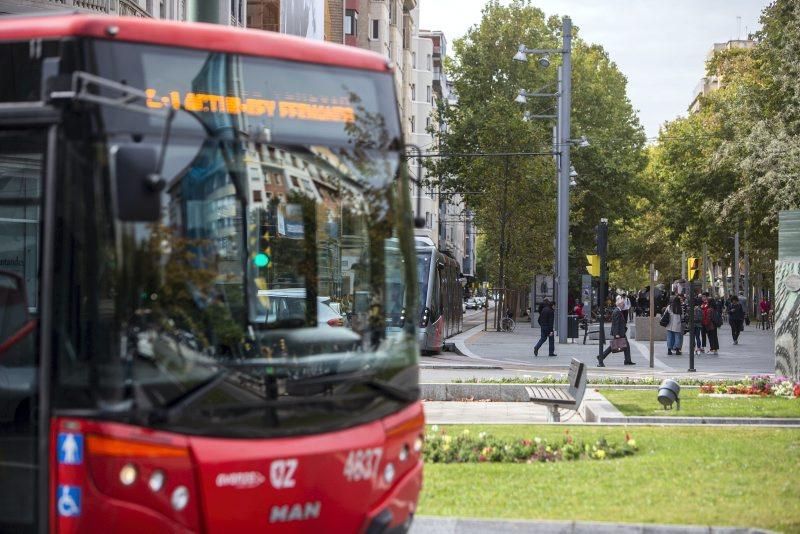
(797, 390)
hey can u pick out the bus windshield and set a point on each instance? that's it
(269, 298)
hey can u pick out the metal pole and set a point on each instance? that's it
(683, 266)
(500, 301)
(563, 201)
(602, 251)
(747, 294)
(652, 319)
(691, 326)
(736, 264)
(706, 265)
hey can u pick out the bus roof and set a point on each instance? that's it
(201, 36)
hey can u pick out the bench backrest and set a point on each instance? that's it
(577, 380)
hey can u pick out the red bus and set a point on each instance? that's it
(206, 258)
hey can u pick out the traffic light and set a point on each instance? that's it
(263, 253)
(594, 264)
(601, 239)
(693, 268)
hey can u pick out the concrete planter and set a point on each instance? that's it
(643, 329)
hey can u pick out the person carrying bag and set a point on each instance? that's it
(619, 343)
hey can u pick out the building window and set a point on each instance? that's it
(351, 22)
(256, 195)
(427, 122)
(375, 29)
(413, 91)
(428, 94)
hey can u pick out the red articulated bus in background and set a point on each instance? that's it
(206, 265)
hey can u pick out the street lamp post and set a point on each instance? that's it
(564, 142)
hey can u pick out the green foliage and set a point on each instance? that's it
(683, 475)
(734, 164)
(466, 447)
(514, 198)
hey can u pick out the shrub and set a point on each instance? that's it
(441, 447)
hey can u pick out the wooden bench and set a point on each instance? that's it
(569, 397)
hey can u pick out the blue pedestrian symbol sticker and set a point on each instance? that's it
(70, 448)
(69, 501)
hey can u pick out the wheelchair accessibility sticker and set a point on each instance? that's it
(70, 448)
(69, 501)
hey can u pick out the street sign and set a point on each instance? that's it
(70, 448)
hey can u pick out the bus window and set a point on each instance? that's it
(20, 174)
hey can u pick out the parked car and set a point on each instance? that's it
(481, 302)
(472, 303)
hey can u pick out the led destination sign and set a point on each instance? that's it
(253, 107)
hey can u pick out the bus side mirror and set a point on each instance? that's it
(135, 174)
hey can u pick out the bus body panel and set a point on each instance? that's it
(212, 37)
(325, 482)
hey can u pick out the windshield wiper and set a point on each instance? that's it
(358, 378)
(176, 406)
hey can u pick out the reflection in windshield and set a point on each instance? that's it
(278, 271)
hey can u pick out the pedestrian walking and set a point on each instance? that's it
(711, 320)
(674, 326)
(699, 333)
(546, 321)
(736, 318)
(764, 307)
(626, 308)
(619, 330)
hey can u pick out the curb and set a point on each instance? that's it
(457, 366)
(453, 525)
(717, 421)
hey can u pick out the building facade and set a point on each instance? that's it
(709, 84)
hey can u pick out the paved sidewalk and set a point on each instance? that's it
(480, 412)
(754, 354)
(452, 525)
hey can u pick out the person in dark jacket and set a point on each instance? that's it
(618, 330)
(546, 321)
(736, 318)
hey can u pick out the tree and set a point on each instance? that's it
(514, 197)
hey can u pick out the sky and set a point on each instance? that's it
(659, 45)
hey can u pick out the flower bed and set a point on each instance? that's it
(441, 447)
(762, 385)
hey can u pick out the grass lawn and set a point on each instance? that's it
(645, 402)
(681, 475)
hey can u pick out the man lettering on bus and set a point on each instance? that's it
(546, 320)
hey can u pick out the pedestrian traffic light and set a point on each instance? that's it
(693, 268)
(594, 264)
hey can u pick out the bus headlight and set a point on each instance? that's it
(388, 473)
(180, 498)
(127, 475)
